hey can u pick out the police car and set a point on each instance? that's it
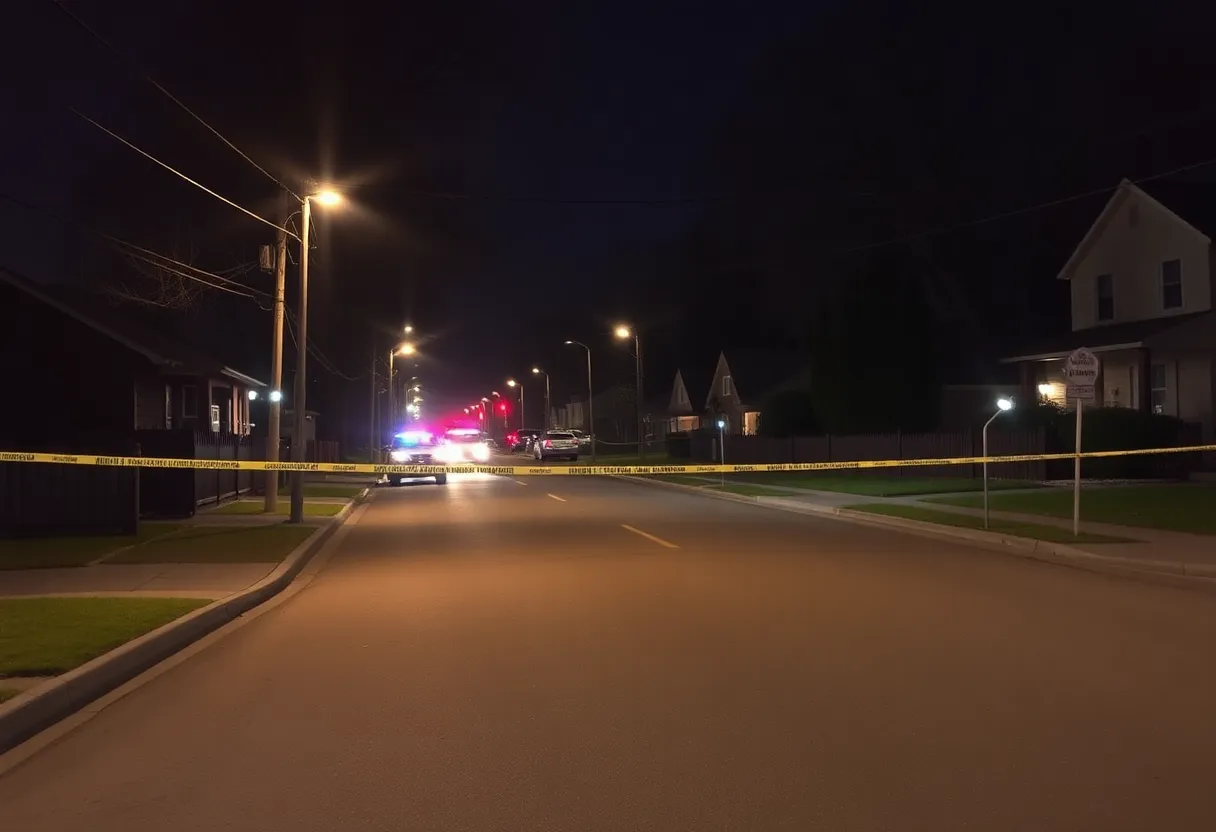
(415, 447)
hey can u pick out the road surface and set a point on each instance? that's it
(590, 654)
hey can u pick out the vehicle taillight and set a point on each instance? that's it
(548, 443)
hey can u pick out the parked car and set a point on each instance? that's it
(522, 439)
(555, 444)
(584, 441)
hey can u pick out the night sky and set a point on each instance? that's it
(523, 173)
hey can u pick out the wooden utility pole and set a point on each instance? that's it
(276, 368)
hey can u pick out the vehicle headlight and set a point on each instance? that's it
(447, 453)
(481, 453)
(399, 456)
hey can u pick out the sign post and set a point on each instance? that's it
(1081, 377)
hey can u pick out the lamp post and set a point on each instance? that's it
(590, 395)
(537, 371)
(401, 349)
(1002, 405)
(624, 333)
(522, 413)
(722, 448)
(299, 445)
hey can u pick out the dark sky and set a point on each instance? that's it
(521, 173)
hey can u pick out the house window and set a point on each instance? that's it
(189, 401)
(215, 418)
(1157, 387)
(1171, 284)
(727, 386)
(682, 395)
(1106, 297)
(751, 423)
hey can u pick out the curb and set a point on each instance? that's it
(1190, 575)
(33, 711)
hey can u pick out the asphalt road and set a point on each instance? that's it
(505, 656)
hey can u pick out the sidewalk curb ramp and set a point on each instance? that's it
(36, 710)
(1172, 572)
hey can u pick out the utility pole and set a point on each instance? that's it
(275, 398)
(371, 413)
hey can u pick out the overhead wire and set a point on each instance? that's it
(183, 176)
(147, 77)
(199, 274)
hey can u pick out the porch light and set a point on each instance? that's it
(253, 394)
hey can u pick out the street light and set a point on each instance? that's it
(405, 348)
(1003, 404)
(624, 333)
(722, 448)
(537, 371)
(299, 445)
(590, 395)
(408, 329)
(522, 413)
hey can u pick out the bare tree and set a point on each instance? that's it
(172, 281)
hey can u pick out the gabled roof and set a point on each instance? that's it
(756, 373)
(158, 349)
(1127, 189)
(1106, 338)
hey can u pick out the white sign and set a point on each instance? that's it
(1081, 368)
(1081, 392)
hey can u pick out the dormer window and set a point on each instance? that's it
(1171, 284)
(1105, 286)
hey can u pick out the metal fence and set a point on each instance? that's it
(174, 492)
(61, 500)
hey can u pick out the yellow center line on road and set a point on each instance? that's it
(559, 499)
(651, 537)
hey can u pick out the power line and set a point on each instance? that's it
(181, 175)
(140, 71)
(688, 200)
(1026, 210)
(315, 352)
(201, 275)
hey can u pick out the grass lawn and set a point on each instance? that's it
(656, 458)
(7, 694)
(44, 553)
(49, 636)
(256, 506)
(325, 489)
(220, 544)
(877, 486)
(1052, 534)
(1181, 508)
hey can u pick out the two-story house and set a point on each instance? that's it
(1141, 286)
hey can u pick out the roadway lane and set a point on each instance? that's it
(497, 656)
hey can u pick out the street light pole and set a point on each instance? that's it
(522, 413)
(548, 405)
(371, 421)
(298, 442)
(1002, 405)
(299, 445)
(590, 396)
(624, 333)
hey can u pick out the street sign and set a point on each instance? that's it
(1081, 368)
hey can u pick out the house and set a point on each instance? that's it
(287, 425)
(79, 373)
(744, 379)
(681, 414)
(1141, 285)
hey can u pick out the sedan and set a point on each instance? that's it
(555, 444)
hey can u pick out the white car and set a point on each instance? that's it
(555, 444)
(414, 448)
(463, 446)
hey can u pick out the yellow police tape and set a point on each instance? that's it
(552, 470)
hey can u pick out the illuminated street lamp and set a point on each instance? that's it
(513, 383)
(299, 446)
(590, 396)
(1003, 405)
(537, 371)
(624, 333)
